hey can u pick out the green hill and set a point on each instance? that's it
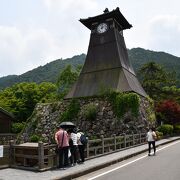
(50, 71)
(139, 56)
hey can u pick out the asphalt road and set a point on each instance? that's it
(164, 166)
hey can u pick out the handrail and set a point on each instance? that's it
(6, 137)
(43, 156)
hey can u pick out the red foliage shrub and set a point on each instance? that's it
(170, 110)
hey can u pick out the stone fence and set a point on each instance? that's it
(41, 156)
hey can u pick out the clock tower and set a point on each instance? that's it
(107, 64)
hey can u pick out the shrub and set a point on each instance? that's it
(90, 111)
(71, 112)
(166, 129)
(17, 127)
(119, 106)
(34, 138)
(159, 135)
(177, 129)
(123, 102)
(34, 123)
(150, 110)
(134, 103)
(170, 111)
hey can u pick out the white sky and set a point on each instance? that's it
(35, 32)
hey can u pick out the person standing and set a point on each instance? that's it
(61, 138)
(151, 138)
(81, 146)
(74, 147)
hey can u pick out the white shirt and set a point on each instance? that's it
(74, 138)
(150, 136)
(78, 138)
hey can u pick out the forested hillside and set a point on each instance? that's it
(139, 56)
(46, 73)
(50, 71)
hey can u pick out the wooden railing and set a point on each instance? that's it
(5, 160)
(103, 146)
(39, 157)
(4, 142)
(5, 138)
(42, 156)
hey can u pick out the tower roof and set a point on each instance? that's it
(107, 64)
(115, 14)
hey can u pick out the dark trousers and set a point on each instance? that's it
(81, 152)
(73, 158)
(63, 157)
(149, 146)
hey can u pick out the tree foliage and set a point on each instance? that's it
(46, 73)
(168, 111)
(154, 77)
(67, 78)
(171, 92)
(20, 99)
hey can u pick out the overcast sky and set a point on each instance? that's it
(36, 32)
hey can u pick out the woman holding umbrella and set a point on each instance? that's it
(67, 125)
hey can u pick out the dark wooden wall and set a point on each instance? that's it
(5, 123)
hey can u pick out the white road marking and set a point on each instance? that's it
(102, 174)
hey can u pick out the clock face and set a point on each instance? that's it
(103, 27)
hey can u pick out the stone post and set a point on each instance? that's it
(124, 140)
(40, 155)
(114, 135)
(11, 153)
(102, 139)
(87, 149)
(134, 139)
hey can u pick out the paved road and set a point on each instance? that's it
(164, 166)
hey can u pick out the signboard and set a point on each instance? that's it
(1, 151)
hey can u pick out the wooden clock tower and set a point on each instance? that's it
(107, 64)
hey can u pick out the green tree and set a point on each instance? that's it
(66, 79)
(20, 99)
(171, 92)
(79, 68)
(47, 92)
(154, 77)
